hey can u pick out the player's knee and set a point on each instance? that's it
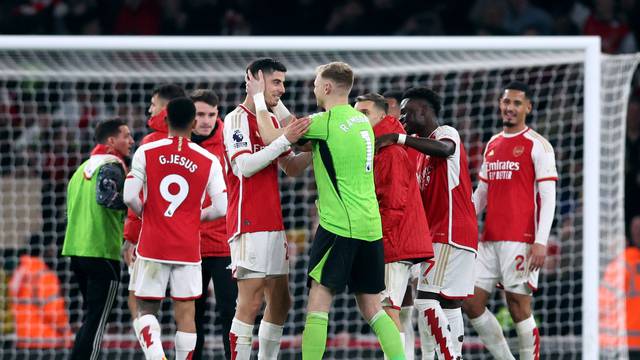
(518, 313)
(369, 305)
(473, 308)
(253, 306)
(519, 307)
(185, 323)
(147, 307)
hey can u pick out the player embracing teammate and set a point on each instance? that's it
(445, 186)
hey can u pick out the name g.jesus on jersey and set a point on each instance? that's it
(178, 160)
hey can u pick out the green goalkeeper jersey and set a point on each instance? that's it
(342, 140)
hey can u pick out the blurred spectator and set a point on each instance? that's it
(612, 19)
(424, 23)
(346, 19)
(235, 23)
(79, 17)
(310, 19)
(383, 17)
(138, 17)
(602, 20)
(37, 303)
(489, 17)
(203, 17)
(527, 19)
(620, 285)
(632, 164)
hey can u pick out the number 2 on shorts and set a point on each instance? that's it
(519, 262)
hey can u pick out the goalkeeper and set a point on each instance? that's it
(347, 249)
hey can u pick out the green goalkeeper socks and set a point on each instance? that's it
(314, 336)
(388, 335)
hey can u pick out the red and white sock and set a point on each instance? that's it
(269, 336)
(240, 339)
(457, 328)
(437, 327)
(487, 326)
(427, 343)
(185, 343)
(149, 337)
(528, 339)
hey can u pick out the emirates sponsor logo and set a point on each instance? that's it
(502, 170)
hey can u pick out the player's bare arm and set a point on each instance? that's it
(128, 252)
(294, 165)
(250, 164)
(439, 148)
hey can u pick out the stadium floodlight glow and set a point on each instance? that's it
(579, 101)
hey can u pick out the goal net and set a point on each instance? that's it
(53, 93)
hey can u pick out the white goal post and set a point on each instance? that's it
(216, 58)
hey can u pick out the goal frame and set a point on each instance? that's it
(589, 45)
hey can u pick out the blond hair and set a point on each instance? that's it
(338, 72)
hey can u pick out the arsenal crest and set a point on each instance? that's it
(518, 150)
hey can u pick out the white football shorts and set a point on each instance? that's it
(505, 264)
(151, 279)
(450, 273)
(259, 254)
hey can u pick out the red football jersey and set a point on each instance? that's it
(445, 186)
(176, 173)
(512, 167)
(254, 202)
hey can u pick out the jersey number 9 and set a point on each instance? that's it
(175, 200)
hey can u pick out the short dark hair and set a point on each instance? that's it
(422, 93)
(180, 113)
(168, 92)
(267, 65)
(519, 86)
(206, 96)
(377, 99)
(108, 128)
(395, 94)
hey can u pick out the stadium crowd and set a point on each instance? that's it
(611, 19)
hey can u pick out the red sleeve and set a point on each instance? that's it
(392, 184)
(132, 227)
